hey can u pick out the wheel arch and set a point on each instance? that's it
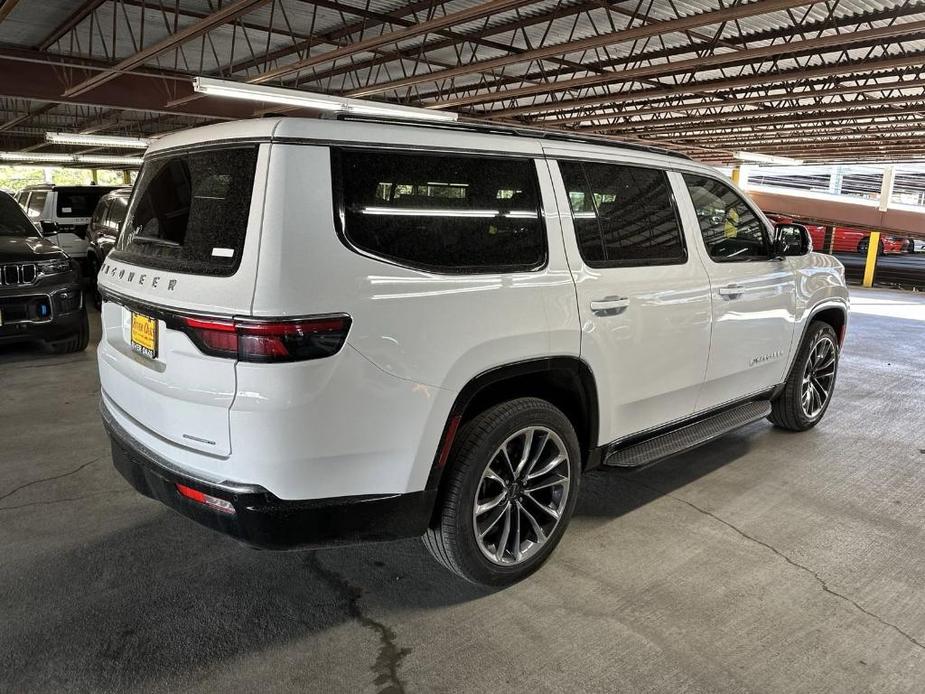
(566, 382)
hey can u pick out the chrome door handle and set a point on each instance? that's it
(610, 305)
(731, 291)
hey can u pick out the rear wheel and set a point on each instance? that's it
(74, 343)
(809, 386)
(511, 489)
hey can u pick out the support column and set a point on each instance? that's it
(126, 178)
(828, 243)
(873, 250)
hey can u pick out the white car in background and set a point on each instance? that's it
(916, 246)
(328, 331)
(63, 214)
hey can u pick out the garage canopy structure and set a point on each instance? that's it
(834, 80)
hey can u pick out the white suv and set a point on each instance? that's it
(332, 331)
(63, 214)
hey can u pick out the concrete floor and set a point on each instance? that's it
(764, 562)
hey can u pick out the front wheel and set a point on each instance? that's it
(511, 489)
(809, 386)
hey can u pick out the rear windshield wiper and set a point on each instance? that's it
(154, 241)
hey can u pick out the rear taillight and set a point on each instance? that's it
(268, 341)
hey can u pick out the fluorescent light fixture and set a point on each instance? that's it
(103, 160)
(766, 158)
(73, 159)
(322, 102)
(97, 140)
(416, 212)
(40, 157)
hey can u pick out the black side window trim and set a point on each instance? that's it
(765, 232)
(340, 215)
(636, 262)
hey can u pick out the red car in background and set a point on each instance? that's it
(846, 239)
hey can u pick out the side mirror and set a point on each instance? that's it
(791, 239)
(49, 228)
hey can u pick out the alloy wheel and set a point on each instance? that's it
(521, 496)
(819, 376)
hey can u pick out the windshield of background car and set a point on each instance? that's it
(13, 221)
(189, 212)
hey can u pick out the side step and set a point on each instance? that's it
(663, 446)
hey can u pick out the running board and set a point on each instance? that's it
(663, 446)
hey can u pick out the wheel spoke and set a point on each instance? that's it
(505, 533)
(548, 467)
(490, 504)
(525, 453)
(498, 515)
(495, 477)
(537, 529)
(518, 553)
(507, 459)
(537, 453)
(551, 512)
(558, 480)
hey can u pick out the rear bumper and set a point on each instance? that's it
(263, 520)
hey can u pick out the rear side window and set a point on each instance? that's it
(189, 211)
(623, 215)
(78, 202)
(446, 213)
(36, 205)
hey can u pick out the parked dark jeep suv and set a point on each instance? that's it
(40, 294)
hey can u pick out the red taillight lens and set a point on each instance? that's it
(269, 341)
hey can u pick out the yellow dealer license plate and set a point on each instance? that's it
(144, 335)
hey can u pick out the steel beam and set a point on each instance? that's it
(6, 6)
(216, 19)
(864, 69)
(749, 55)
(739, 42)
(642, 31)
(453, 18)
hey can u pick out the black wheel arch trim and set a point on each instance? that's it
(570, 364)
(816, 310)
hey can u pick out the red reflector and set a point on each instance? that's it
(205, 499)
(191, 493)
(448, 440)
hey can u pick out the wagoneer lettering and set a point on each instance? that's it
(438, 335)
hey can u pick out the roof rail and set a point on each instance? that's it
(508, 129)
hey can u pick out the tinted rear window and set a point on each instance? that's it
(78, 202)
(189, 211)
(448, 213)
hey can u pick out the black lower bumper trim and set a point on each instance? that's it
(263, 520)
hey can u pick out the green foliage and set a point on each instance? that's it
(15, 178)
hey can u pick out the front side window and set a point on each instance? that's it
(623, 215)
(731, 230)
(446, 213)
(189, 212)
(36, 205)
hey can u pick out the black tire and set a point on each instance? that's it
(452, 537)
(74, 343)
(787, 410)
(862, 246)
(93, 290)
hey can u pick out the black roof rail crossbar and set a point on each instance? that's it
(509, 129)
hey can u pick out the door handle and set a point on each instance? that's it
(731, 291)
(610, 305)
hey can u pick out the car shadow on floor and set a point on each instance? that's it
(162, 596)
